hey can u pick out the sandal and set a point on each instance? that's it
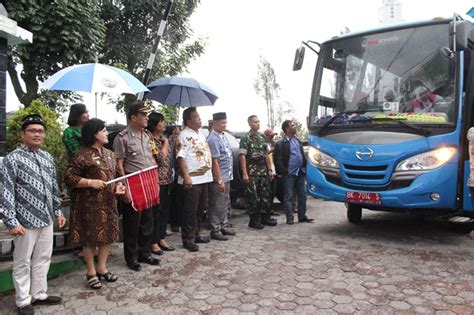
(108, 276)
(94, 282)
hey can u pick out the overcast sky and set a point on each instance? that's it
(239, 31)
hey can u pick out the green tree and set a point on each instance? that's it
(131, 28)
(171, 114)
(267, 87)
(64, 33)
(53, 142)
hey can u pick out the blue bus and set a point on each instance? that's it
(388, 121)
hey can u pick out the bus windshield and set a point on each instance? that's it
(381, 78)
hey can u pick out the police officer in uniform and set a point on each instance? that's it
(257, 175)
(133, 149)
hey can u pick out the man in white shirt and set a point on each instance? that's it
(195, 164)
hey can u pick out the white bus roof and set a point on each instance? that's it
(400, 25)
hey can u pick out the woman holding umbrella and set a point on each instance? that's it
(94, 217)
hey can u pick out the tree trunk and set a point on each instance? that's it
(268, 110)
(14, 78)
(30, 82)
(31, 88)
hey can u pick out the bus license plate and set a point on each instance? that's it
(363, 197)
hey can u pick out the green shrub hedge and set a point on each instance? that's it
(53, 142)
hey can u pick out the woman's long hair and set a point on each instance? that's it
(75, 114)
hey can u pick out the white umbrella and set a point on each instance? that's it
(94, 78)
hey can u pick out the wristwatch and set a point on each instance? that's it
(220, 182)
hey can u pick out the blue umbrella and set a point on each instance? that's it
(181, 91)
(94, 78)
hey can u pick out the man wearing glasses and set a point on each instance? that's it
(29, 205)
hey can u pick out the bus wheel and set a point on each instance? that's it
(354, 213)
(463, 228)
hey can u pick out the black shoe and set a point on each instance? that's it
(50, 300)
(175, 229)
(149, 260)
(202, 239)
(158, 252)
(218, 236)
(226, 231)
(134, 265)
(26, 310)
(256, 225)
(290, 221)
(270, 222)
(306, 220)
(168, 249)
(191, 247)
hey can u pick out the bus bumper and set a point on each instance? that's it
(418, 195)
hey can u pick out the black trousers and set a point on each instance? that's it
(194, 204)
(176, 205)
(137, 232)
(161, 214)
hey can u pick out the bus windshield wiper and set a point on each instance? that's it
(402, 122)
(346, 112)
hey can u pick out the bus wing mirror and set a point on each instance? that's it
(299, 57)
(446, 52)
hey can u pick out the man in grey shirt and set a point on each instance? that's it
(219, 189)
(29, 205)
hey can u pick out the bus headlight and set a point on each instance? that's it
(320, 159)
(427, 161)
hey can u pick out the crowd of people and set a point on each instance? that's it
(195, 168)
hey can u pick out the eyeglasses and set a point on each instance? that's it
(34, 131)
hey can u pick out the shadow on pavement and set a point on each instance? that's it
(394, 228)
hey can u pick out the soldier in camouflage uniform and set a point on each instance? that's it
(256, 174)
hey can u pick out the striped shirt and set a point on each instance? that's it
(30, 194)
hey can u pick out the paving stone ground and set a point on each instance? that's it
(388, 264)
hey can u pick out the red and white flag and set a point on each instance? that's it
(144, 189)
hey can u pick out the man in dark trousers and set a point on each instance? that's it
(195, 163)
(290, 163)
(133, 149)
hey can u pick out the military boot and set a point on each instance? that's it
(267, 220)
(255, 222)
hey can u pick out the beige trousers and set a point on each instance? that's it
(31, 259)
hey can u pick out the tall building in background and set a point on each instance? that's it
(390, 12)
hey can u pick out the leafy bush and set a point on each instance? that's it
(53, 142)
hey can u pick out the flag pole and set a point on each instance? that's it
(154, 51)
(130, 175)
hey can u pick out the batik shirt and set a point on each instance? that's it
(192, 147)
(165, 166)
(255, 149)
(30, 194)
